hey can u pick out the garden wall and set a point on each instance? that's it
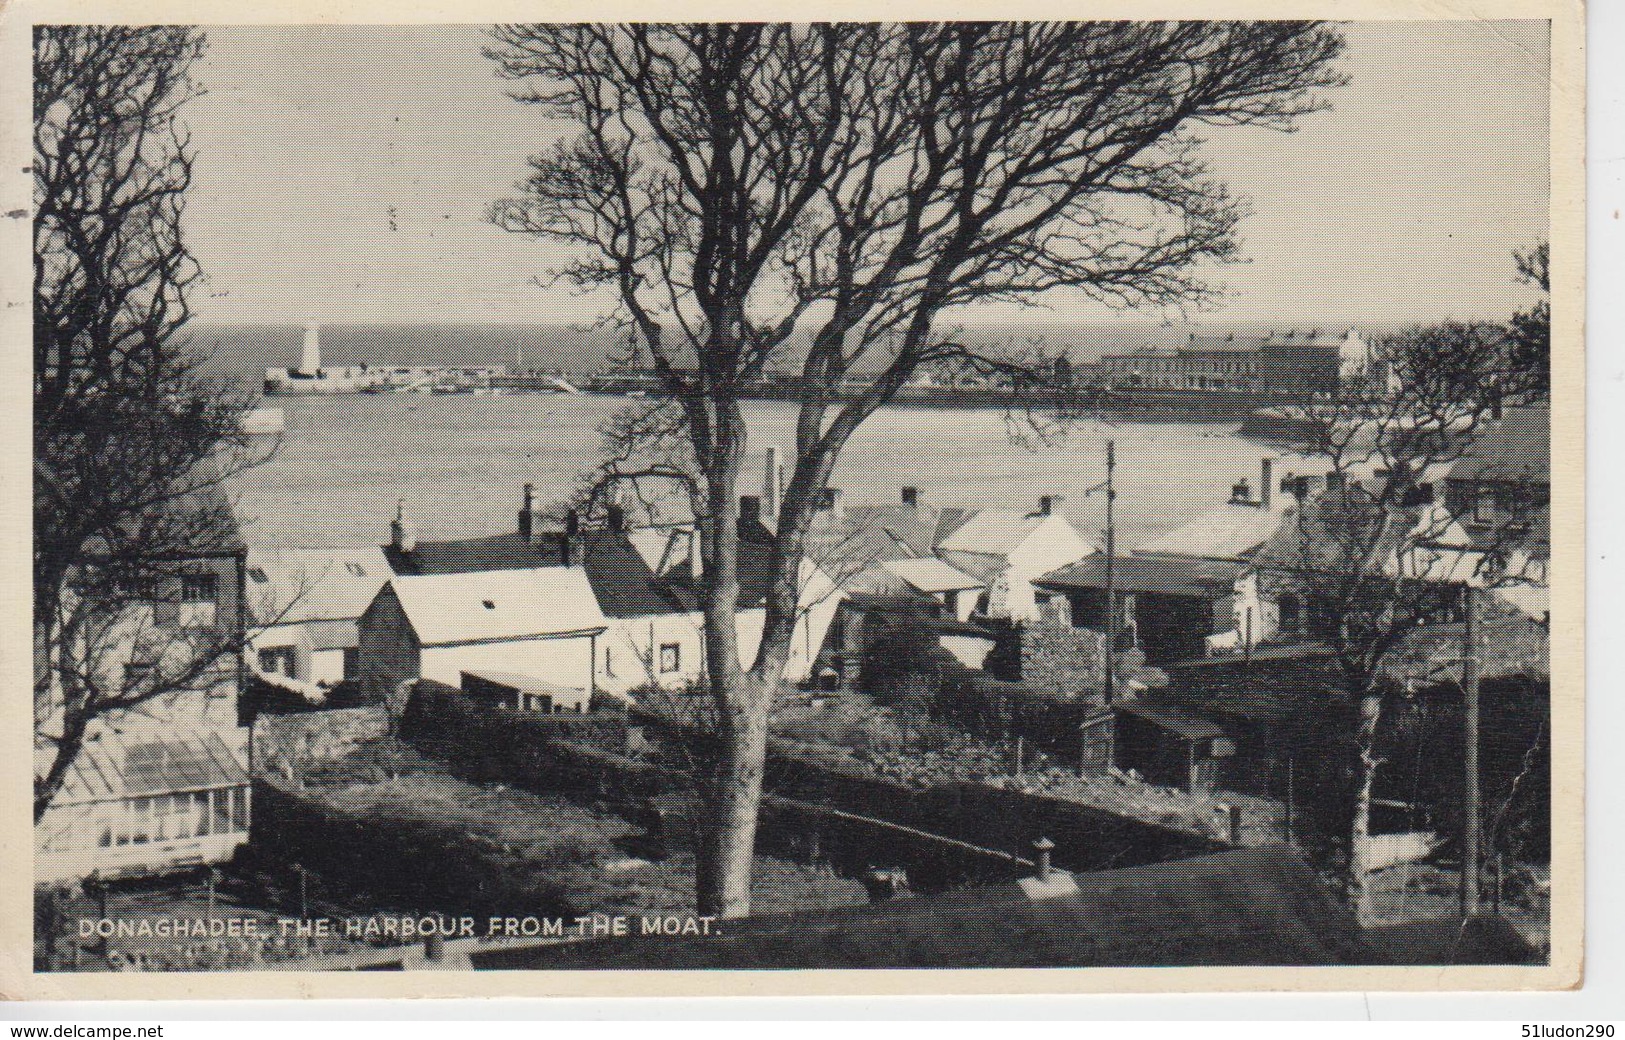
(285, 746)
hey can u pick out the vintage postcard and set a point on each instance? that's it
(571, 499)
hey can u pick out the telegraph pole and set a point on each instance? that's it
(1470, 796)
(1111, 575)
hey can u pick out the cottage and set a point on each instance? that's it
(307, 603)
(645, 584)
(543, 622)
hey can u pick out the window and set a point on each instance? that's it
(1484, 505)
(279, 660)
(671, 658)
(199, 588)
(257, 575)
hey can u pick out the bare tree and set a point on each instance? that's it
(132, 443)
(1380, 553)
(1532, 329)
(822, 195)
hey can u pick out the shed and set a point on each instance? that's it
(1172, 602)
(1169, 746)
(522, 692)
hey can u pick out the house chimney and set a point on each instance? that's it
(527, 516)
(1265, 466)
(696, 566)
(1241, 493)
(401, 533)
(572, 532)
(831, 500)
(750, 508)
(1049, 505)
(911, 496)
(773, 485)
(615, 517)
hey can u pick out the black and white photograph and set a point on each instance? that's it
(597, 496)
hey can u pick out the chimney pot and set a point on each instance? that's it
(911, 496)
(402, 535)
(1050, 505)
(1265, 467)
(1042, 849)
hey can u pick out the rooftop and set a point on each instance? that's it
(1230, 532)
(1515, 448)
(290, 586)
(485, 606)
(620, 577)
(932, 575)
(1162, 575)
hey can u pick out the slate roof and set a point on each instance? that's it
(491, 606)
(993, 532)
(1259, 906)
(1231, 532)
(1163, 575)
(932, 575)
(620, 576)
(1516, 448)
(921, 528)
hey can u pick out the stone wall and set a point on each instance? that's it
(284, 747)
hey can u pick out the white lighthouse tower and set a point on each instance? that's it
(310, 362)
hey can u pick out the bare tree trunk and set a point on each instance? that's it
(733, 796)
(1360, 851)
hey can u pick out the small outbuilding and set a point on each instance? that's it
(518, 692)
(1170, 746)
(543, 623)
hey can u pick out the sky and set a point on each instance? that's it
(343, 174)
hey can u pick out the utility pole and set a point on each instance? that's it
(1470, 796)
(1111, 576)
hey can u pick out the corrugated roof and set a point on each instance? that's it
(932, 575)
(498, 605)
(1261, 906)
(124, 765)
(1165, 575)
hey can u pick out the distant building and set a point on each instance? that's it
(1292, 363)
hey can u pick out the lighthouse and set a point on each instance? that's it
(310, 362)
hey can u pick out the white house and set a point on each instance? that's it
(1007, 549)
(307, 602)
(543, 622)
